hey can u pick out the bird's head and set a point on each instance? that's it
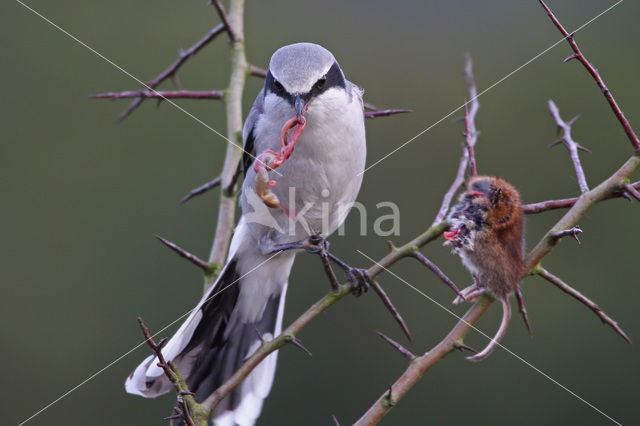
(301, 72)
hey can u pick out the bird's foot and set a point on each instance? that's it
(359, 279)
(317, 244)
(313, 244)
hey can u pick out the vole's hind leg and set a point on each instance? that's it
(470, 294)
(502, 330)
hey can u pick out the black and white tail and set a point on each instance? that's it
(222, 331)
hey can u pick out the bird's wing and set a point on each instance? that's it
(248, 135)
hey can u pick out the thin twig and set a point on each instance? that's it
(571, 145)
(457, 182)
(223, 17)
(201, 189)
(185, 254)
(370, 107)
(385, 113)
(434, 268)
(404, 351)
(572, 232)
(565, 203)
(173, 68)
(523, 310)
(394, 311)
(631, 190)
(473, 170)
(185, 397)
(470, 112)
(582, 299)
(173, 94)
(471, 137)
(633, 138)
(257, 71)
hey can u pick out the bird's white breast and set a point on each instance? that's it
(326, 164)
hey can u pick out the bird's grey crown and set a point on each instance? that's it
(299, 66)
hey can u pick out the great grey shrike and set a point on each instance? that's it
(316, 187)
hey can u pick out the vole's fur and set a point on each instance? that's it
(486, 231)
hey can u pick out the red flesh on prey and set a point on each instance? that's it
(286, 146)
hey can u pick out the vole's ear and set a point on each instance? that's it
(495, 195)
(480, 184)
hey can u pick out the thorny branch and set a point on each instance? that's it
(633, 190)
(186, 255)
(566, 203)
(170, 72)
(572, 146)
(523, 310)
(404, 351)
(201, 189)
(434, 268)
(157, 94)
(577, 54)
(583, 299)
(471, 137)
(470, 111)
(223, 17)
(314, 311)
(186, 403)
(385, 113)
(421, 364)
(391, 308)
(616, 185)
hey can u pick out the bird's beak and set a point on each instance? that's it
(299, 106)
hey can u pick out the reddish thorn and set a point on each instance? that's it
(272, 183)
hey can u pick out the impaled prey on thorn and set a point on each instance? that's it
(486, 231)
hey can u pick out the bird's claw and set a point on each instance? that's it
(360, 281)
(316, 243)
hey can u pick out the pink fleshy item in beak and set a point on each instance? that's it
(451, 235)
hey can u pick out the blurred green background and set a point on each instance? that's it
(82, 198)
